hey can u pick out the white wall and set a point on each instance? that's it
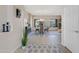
(71, 15)
(2, 16)
(10, 41)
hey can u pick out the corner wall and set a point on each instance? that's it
(10, 41)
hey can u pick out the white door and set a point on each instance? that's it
(71, 28)
(76, 29)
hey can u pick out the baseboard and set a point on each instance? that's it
(16, 49)
(68, 49)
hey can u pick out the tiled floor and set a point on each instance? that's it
(49, 42)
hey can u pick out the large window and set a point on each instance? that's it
(52, 23)
(36, 23)
(47, 23)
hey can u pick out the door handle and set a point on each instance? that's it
(76, 31)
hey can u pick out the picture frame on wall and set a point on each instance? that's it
(18, 13)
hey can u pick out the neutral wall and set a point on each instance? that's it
(10, 41)
(3, 15)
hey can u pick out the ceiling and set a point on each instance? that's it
(45, 9)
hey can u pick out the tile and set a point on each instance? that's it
(41, 50)
(49, 42)
(36, 51)
(30, 51)
(54, 51)
(48, 51)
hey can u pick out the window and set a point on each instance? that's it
(52, 23)
(36, 23)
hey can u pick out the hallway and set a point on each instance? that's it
(39, 29)
(49, 42)
(49, 38)
(59, 23)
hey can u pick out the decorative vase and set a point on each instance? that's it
(23, 47)
(3, 28)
